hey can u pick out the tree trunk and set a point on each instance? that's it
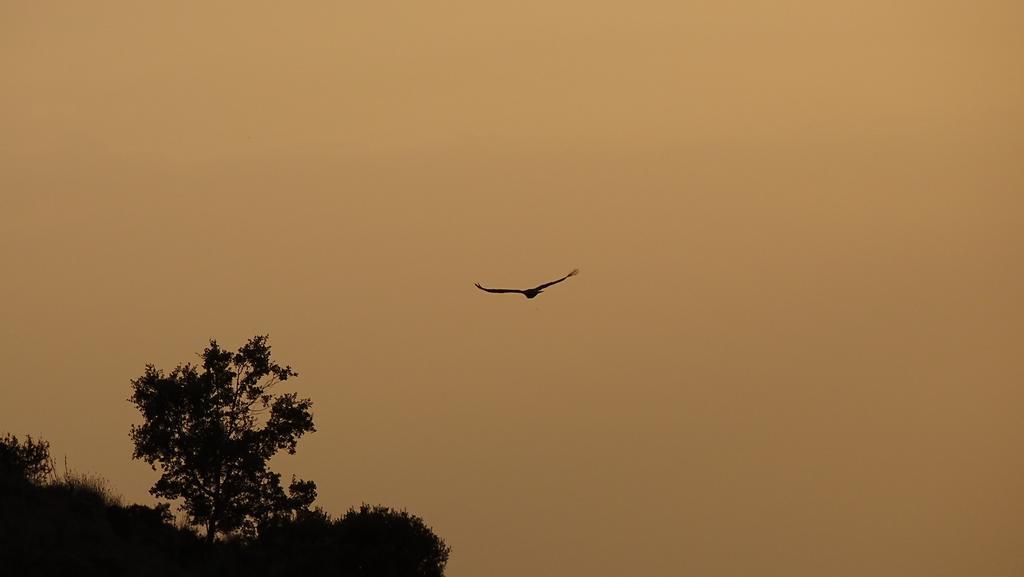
(211, 529)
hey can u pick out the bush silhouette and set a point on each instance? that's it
(372, 541)
(24, 462)
(381, 542)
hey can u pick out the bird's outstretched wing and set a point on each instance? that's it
(490, 290)
(574, 272)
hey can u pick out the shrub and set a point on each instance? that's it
(29, 461)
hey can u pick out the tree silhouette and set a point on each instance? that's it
(213, 428)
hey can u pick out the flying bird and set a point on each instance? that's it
(530, 292)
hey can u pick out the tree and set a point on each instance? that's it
(212, 429)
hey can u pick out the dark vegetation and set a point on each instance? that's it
(211, 431)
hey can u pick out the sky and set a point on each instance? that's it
(794, 348)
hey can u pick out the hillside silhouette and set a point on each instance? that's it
(211, 430)
(71, 524)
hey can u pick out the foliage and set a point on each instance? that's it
(213, 428)
(379, 541)
(29, 460)
(373, 541)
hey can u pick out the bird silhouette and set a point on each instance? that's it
(530, 292)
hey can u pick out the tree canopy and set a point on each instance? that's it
(212, 429)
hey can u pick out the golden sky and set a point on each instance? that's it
(795, 347)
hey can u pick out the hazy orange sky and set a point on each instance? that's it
(795, 347)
